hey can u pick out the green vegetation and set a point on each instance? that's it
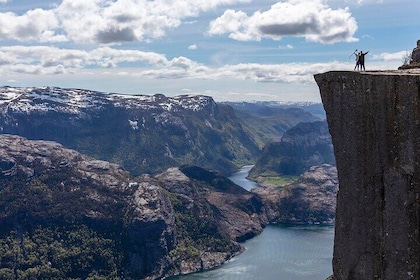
(279, 181)
(197, 230)
(46, 232)
(59, 252)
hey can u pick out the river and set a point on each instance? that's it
(278, 253)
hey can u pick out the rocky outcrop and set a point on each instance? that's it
(374, 120)
(212, 215)
(415, 55)
(412, 60)
(311, 200)
(66, 215)
(47, 188)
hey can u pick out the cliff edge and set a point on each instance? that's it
(374, 121)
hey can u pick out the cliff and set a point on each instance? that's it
(374, 121)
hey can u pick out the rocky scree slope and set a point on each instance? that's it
(144, 134)
(66, 215)
(374, 120)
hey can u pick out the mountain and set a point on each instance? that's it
(143, 134)
(301, 147)
(267, 121)
(65, 215)
(212, 215)
(315, 108)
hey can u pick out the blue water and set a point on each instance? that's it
(239, 178)
(278, 253)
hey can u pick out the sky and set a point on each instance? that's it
(232, 50)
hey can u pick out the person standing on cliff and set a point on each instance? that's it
(357, 60)
(362, 60)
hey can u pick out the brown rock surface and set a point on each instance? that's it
(312, 199)
(374, 120)
(415, 55)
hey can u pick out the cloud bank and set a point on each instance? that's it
(107, 22)
(101, 21)
(46, 60)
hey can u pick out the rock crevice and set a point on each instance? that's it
(374, 121)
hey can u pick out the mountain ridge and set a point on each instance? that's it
(144, 134)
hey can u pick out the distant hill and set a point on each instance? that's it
(144, 134)
(301, 147)
(316, 109)
(269, 120)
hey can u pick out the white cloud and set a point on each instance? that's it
(311, 19)
(192, 47)
(102, 55)
(286, 47)
(361, 2)
(278, 73)
(43, 60)
(34, 25)
(50, 60)
(391, 56)
(235, 23)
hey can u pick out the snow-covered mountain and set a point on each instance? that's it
(73, 101)
(142, 133)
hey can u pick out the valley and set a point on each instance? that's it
(152, 169)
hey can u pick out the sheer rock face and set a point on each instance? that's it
(374, 121)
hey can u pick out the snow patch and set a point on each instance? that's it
(133, 124)
(208, 124)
